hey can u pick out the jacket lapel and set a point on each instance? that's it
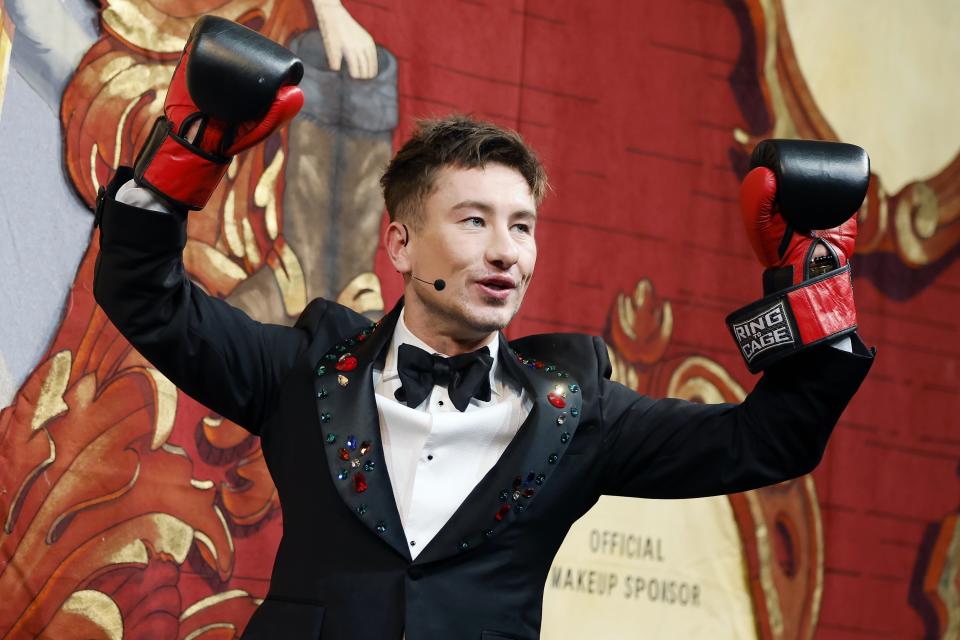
(525, 467)
(349, 422)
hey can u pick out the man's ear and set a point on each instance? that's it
(396, 239)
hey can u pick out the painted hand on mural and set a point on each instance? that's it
(345, 40)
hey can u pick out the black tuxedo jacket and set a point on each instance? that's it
(343, 569)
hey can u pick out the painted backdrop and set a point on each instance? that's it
(130, 511)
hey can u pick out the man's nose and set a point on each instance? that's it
(502, 250)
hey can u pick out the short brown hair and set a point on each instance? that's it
(457, 141)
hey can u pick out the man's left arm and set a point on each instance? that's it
(673, 448)
(798, 206)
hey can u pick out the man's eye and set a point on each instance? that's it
(475, 221)
(522, 228)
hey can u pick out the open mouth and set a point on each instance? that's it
(497, 286)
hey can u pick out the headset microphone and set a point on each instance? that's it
(438, 284)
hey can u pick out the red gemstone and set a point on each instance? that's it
(344, 454)
(347, 362)
(538, 364)
(502, 512)
(556, 400)
(361, 337)
(360, 483)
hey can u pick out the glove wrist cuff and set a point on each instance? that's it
(182, 174)
(793, 319)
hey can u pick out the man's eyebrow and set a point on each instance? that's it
(473, 204)
(488, 209)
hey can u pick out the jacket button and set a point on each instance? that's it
(415, 573)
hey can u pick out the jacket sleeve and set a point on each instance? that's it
(678, 449)
(214, 352)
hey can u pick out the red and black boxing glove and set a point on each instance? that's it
(234, 87)
(798, 205)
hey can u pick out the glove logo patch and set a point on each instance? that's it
(769, 328)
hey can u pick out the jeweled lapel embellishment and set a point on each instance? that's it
(556, 400)
(359, 482)
(347, 362)
(343, 380)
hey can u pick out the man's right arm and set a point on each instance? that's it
(212, 351)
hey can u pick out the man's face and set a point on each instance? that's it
(477, 235)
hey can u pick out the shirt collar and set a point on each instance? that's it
(403, 335)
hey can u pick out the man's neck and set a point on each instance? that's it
(432, 333)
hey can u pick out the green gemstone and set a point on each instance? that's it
(330, 356)
(550, 369)
(541, 478)
(321, 370)
(344, 474)
(488, 533)
(325, 416)
(564, 437)
(368, 466)
(521, 507)
(362, 509)
(464, 545)
(563, 374)
(574, 411)
(574, 387)
(381, 527)
(322, 392)
(504, 495)
(340, 349)
(552, 459)
(331, 438)
(350, 342)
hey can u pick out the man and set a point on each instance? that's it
(429, 470)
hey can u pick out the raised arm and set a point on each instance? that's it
(678, 449)
(230, 90)
(798, 206)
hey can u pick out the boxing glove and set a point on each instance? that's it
(794, 187)
(233, 87)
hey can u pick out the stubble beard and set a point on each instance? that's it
(460, 313)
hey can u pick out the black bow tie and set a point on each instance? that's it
(465, 376)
